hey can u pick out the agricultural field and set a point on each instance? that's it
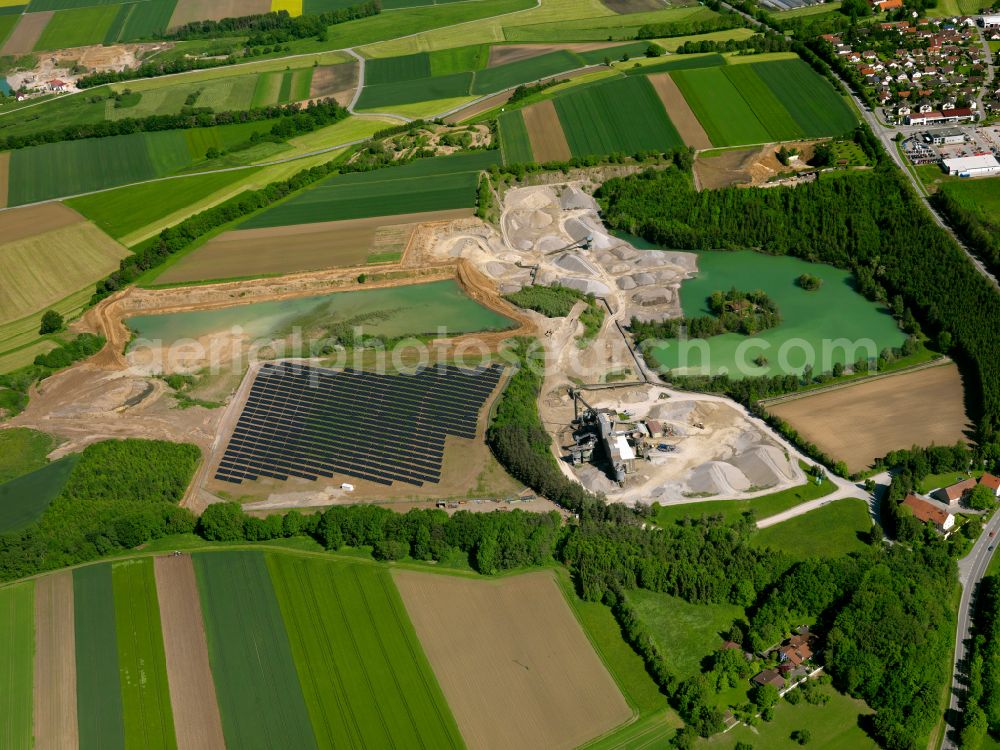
(303, 247)
(77, 27)
(514, 142)
(55, 705)
(365, 678)
(17, 649)
(859, 422)
(140, 21)
(623, 115)
(125, 210)
(761, 102)
(187, 11)
(26, 33)
(148, 720)
(42, 269)
(494, 638)
(25, 498)
(39, 173)
(98, 687)
(260, 699)
(399, 190)
(830, 531)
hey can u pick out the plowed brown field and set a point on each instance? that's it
(337, 81)
(292, 249)
(20, 223)
(862, 422)
(192, 691)
(690, 130)
(545, 133)
(26, 34)
(215, 10)
(514, 664)
(55, 664)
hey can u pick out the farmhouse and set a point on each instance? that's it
(925, 510)
(769, 677)
(988, 480)
(953, 494)
(56, 85)
(972, 166)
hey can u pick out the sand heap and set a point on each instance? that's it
(540, 229)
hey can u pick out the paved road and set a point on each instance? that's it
(971, 570)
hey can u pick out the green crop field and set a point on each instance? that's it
(601, 28)
(124, 210)
(458, 59)
(621, 115)
(140, 20)
(148, 718)
(416, 90)
(24, 499)
(404, 23)
(35, 6)
(7, 24)
(501, 77)
(384, 192)
(811, 100)
(778, 122)
(723, 113)
(514, 143)
(833, 530)
(70, 167)
(383, 70)
(266, 90)
(259, 695)
(17, 651)
(77, 28)
(98, 688)
(366, 680)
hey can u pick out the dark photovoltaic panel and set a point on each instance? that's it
(311, 422)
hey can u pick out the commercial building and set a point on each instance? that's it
(972, 166)
(945, 136)
(959, 114)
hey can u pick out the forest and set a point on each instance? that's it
(120, 494)
(868, 222)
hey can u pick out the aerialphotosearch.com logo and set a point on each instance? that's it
(233, 350)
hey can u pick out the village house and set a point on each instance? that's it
(929, 512)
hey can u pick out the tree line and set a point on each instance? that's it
(981, 703)
(293, 120)
(275, 27)
(720, 22)
(974, 227)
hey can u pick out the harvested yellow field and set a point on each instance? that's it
(294, 7)
(861, 422)
(45, 268)
(514, 664)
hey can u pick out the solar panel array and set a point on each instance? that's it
(311, 422)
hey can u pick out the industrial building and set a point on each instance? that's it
(945, 136)
(972, 166)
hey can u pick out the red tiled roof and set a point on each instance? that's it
(957, 490)
(990, 481)
(925, 511)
